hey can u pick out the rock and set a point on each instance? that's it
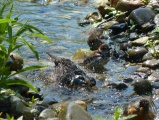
(119, 27)
(81, 103)
(73, 111)
(147, 56)
(94, 17)
(143, 69)
(154, 77)
(125, 46)
(14, 62)
(109, 24)
(151, 63)
(136, 55)
(126, 5)
(105, 10)
(118, 86)
(141, 41)
(140, 108)
(47, 113)
(139, 17)
(19, 109)
(133, 36)
(156, 20)
(50, 100)
(127, 80)
(5, 106)
(142, 87)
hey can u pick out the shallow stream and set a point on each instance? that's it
(59, 22)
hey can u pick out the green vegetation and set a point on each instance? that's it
(12, 37)
(117, 115)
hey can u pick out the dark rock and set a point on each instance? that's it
(18, 108)
(39, 108)
(127, 80)
(133, 36)
(142, 16)
(118, 86)
(151, 63)
(125, 46)
(143, 87)
(136, 55)
(5, 106)
(119, 27)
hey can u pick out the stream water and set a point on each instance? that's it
(59, 22)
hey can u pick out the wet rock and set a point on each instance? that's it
(82, 104)
(94, 17)
(19, 109)
(73, 111)
(95, 38)
(141, 108)
(125, 46)
(142, 87)
(35, 112)
(141, 41)
(119, 38)
(154, 77)
(147, 56)
(127, 80)
(126, 5)
(118, 86)
(119, 27)
(47, 113)
(143, 69)
(140, 18)
(133, 36)
(109, 24)
(68, 74)
(40, 108)
(50, 100)
(105, 10)
(136, 55)
(5, 106)
(151, 63)
(156, 20)
(14, 62)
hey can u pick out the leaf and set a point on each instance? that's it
(20, 82)
(31, 47)
(29, 27)
(6, 21)
(41, 36)
(28, 68)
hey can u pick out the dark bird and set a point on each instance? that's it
(68, 74)
(98, 58)
(95, 39)
(140, 108)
